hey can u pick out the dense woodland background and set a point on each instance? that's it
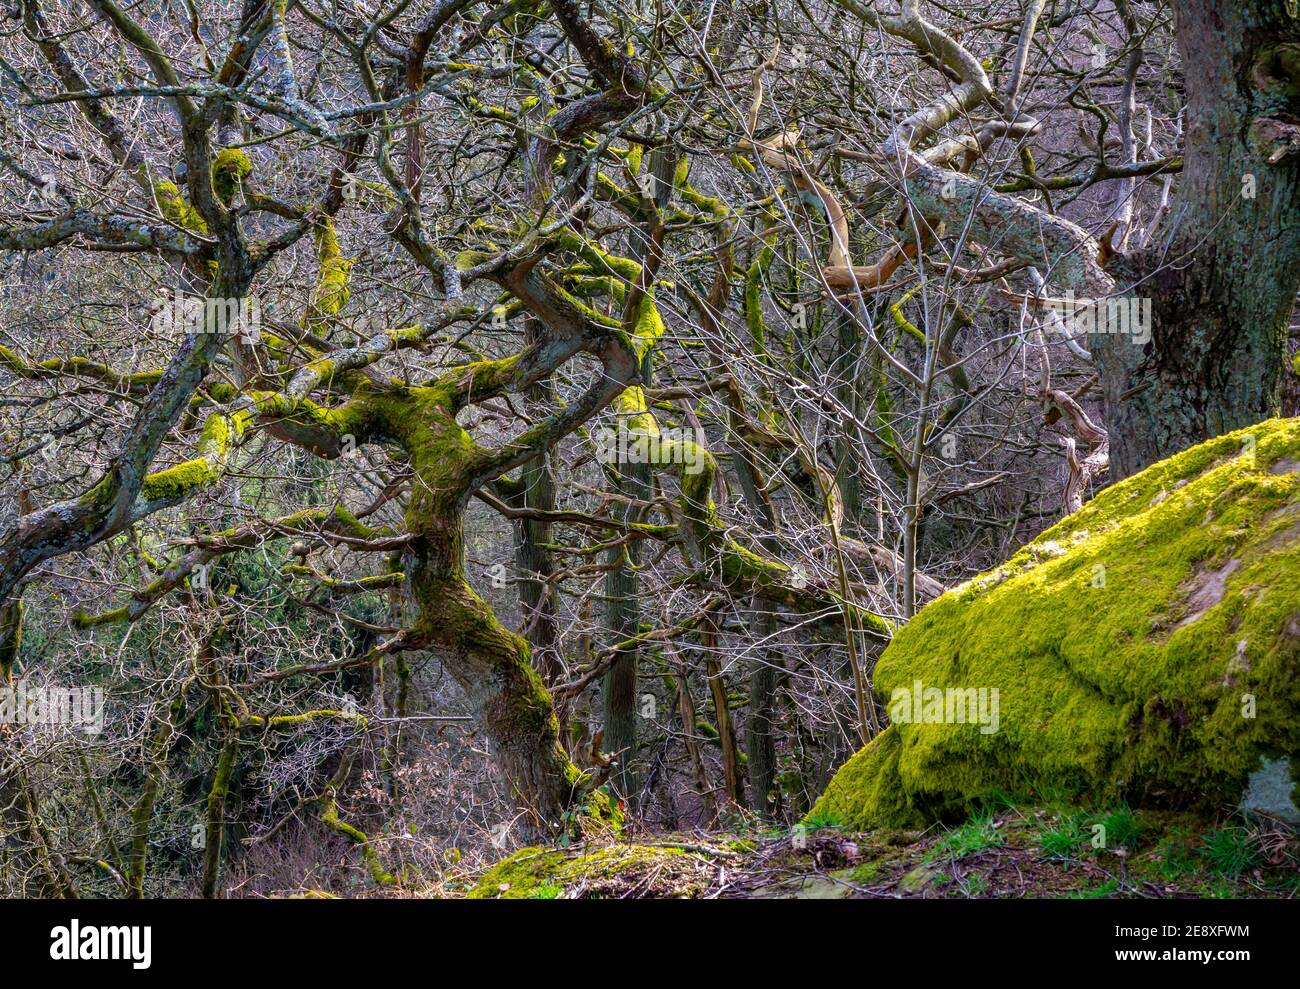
(370, 598)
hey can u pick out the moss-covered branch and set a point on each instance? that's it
(330, 818)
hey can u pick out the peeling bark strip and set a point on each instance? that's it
(937, 194)
(1082, 472)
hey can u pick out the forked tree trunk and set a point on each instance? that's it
(493, 666)
(1223, 277)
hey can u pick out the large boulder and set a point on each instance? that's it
(1145, 648)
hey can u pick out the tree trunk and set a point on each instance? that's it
(493, 666)
(536, 595)
(623, 583)
(216, 820)
(733, 780)
(1223, 279)
(760, 748)
(623, 618)
(691, 740)
(535, 561)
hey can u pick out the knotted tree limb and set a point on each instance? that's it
(1081, 472)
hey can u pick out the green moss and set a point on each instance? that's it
(374, 582)
(634, 155)
(358, 721)
(607, 190)
(754, 279)
(228, 173)
(631, 403)
(219, 791)
(314, 424)
(177, 209)
(331, 293)
(330, 818)
(919, 878)
(468, 259)
(901, 321)
(1147, 647)
(865, 874)
(80, 366)
(601, 261)
(174, 483)
(610, 871)
(708, 204)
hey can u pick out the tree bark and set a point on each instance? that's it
(623, 618)
(1223, 280)
(535, 561)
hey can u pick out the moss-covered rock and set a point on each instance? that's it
(642, 871)
(1146, 647)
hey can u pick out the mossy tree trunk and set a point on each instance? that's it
(490, 663)
(1223, 278)
(493, 665)
(215, 827)
(622, 585)
(623, 619)
(533, 535)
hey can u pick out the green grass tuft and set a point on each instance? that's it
(975, 835)
(1229, 851)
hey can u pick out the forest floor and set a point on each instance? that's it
(1014, 852)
